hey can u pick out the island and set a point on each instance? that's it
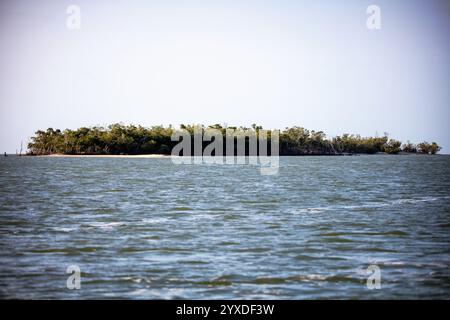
(120, 139)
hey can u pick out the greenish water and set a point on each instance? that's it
(150, 229)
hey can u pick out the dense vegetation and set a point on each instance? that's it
(121, 139)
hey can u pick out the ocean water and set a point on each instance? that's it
(151, 229)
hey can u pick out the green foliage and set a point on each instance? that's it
(409, 147)
(392, 146)
(428, 148)
(356, 144)
(115, 139)
(423, 147)
(122, 139)
(434, 148)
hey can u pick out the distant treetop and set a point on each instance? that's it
(131, 139)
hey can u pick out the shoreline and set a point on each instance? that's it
(166, 156)
(61, 155)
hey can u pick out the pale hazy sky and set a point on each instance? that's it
(275, 63)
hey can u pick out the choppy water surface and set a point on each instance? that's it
(147, 228)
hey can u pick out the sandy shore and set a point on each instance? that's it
(60, 155)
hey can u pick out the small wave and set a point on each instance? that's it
(193, 262)
(65, 250)
(304, 257)
(153, 249)
(377, 249)
(312, 210)
(253, 250)
(215, 282)
(304, 278)
(397, 233)
(417, 200)
(368, 205)
(270, 280)
(154, 220)
(387, 262)
(228, 280)
(181, 209)
(105, 225)
(320, 277)
(171, 249)
(133, 250)
(61, 229)
(228, 243)
(115, 190)
(140, 292)
(333, 234)
(337, 240)
(132, 279)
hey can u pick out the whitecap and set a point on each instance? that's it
(64, 229)
(106, 225)
(154, 220)
(311, 210)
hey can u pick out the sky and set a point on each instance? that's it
(274, 63)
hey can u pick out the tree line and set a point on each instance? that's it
(118, 139)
